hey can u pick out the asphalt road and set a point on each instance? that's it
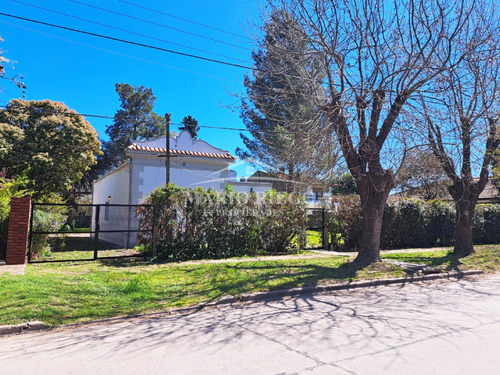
(446, 327)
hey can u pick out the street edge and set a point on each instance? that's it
(8, 330)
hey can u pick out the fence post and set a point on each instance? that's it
(326, 237)
(154, 230)
(17, 237)
(96, 232)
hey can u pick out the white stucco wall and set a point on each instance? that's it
(117, 185)
(149, 173)
(114, 184)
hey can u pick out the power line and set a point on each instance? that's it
(153, 47)
(128, 42)
(157, 24)
(184, 19)
(214, 127)
(124, 30)
(174, 124)
(134, 57)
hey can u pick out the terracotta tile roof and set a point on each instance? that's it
(162, 151)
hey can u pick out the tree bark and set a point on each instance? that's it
(463, 228)
(373, 190)
(465, 194)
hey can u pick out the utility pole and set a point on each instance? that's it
(167, 146)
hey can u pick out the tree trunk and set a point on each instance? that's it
(373, 201)
(463, 227)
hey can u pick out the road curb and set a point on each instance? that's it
(248, 298)
(254, 297)
(21, 328)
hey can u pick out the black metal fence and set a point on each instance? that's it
(84, 232)
(315, 226)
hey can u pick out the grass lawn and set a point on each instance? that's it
(314, 239)
(63, 293)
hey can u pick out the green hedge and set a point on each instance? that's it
(411, 223)
(199, 223)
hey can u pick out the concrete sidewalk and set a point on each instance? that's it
(450, 327)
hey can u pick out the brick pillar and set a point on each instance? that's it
(17, 237)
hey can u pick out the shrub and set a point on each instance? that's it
(199, 223)
(487, 224)
(411, 223)
(345, 221)
(405, 224)
(45, 219)
(441, 223)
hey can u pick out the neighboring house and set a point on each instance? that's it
(193, 163)
(490, 194)
(313, 189)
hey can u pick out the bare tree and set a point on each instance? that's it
(496, 170)
(421, 175)
(16, 79)
(378, 57)
(463, 120)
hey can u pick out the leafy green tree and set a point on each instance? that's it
(344, 185)
(53, 144)
(191, 125)
(135, 120)
(280, 109)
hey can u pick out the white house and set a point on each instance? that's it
(192, 163)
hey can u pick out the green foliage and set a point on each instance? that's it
(135, 120)
(54, 142)
(407, 224)
(199, 223)
(344, 221)
(46, 219)
(344, 185)
(486, 228)
(280, 110)
(191, 125)
(8, 189)
(440, 223)
(411, 223)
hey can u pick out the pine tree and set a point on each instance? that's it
(191, 125)
(280, 110)
(135, 120)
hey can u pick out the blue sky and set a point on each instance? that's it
(81, 70)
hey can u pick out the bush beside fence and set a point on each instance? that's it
(199, 223)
